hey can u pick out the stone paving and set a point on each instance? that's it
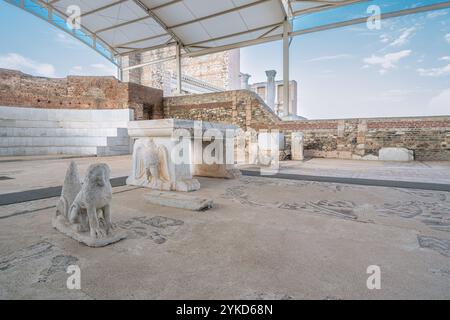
(28, 173)
(264, 238)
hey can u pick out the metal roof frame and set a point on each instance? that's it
(267, 32)
(168, 19)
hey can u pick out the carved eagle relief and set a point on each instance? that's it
(151, 162)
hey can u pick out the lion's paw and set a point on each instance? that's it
(97, 233)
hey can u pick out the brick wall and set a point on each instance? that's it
(429, 137)
(75, 92)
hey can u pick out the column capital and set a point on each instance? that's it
(271, 74)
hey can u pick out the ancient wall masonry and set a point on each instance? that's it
(218, 69)
(76, 92)
(428, 137)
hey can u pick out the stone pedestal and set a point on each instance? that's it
(396, 154)
(269, 148)
(297, 146)
(169, 152)
(271, 140)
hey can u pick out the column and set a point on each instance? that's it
(270, 94)
(286, 28)
(244, 81)
(178, 65)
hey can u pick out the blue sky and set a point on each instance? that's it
(403, 69)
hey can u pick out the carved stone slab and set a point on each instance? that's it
(176, 200)
(155, 147)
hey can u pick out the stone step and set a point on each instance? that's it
(34, 131)
(62, 141)
(36, 151)
(40, 114)
(11, 123)
(113, 151)
(63, 132)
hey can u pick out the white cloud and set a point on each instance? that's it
(18, 62)
(67, 40)
(384, 38)
(435, 14)
(440, 104)
(395, 95)
(447, 37)
(96, 69)
(446, 58)
(388, 61)
(104, 69)
(435, 72)
(404, 37)
(335, 57)
(76, 70)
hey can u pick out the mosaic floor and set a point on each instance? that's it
(265, 238)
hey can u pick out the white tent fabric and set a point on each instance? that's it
(120, 27)
(125, 26)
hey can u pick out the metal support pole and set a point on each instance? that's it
(178, 62)
(286, 29)
(119, 69)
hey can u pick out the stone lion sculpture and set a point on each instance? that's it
(84, 210)
(92, 203)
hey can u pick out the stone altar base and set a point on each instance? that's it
(176, 200)
(167, 153)
(62, 225)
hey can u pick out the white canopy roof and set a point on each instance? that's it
(121, 27)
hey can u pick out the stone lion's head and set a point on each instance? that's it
(97, 175)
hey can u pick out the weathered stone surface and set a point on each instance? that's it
(88, 218)
(220, 69)
(396, 154)
(297, 145)
(428, 137)
(152, 155)
(69, 230)
(216, 171)
(271, 141)
(369, 157)
(79, 92)
(177, 200)
(153, 166)
(39, 131)
(70, 190)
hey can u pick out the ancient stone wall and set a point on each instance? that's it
(429, 137)
(75, 92)
(218, 69)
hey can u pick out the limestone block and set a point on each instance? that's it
(253, 153)
(297, 143)
(201, 138)
(154, 168)
(396, 154)
(38, 131)
(369, 157)
(177, 200)
(271, 140)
